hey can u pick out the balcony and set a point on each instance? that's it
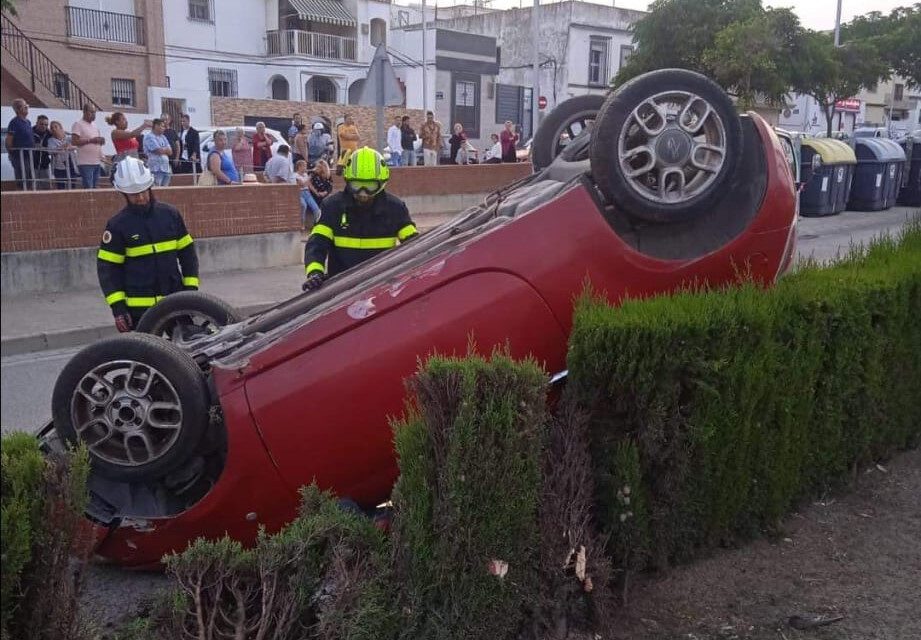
(291, 42)
(104, 26)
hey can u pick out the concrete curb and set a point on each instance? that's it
(80, 336)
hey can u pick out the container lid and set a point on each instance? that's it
(878, 150)
(832, 151)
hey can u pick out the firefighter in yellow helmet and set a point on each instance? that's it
(358, 222)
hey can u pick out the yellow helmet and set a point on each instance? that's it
(366, 165)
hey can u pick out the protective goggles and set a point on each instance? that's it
(368, 187)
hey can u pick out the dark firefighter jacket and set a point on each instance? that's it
(139, 258)
(347, 234)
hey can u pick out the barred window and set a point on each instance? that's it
(62, 86)
(222, 82)
(598, 60)
(122, 92)
(200, 10)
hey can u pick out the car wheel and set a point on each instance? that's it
(664, 144)
(138, 403)
(571, 117)
(187, 315)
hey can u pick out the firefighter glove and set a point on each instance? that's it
(123, 323)
(314, 281)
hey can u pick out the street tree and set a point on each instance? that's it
(896, 36)
(752, 59)
(8, 7)
(677, 33)
(828, 73)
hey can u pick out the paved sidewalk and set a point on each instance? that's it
(40, 321)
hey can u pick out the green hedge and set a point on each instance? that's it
(468, 495)
(714, 412)
(325, 575)
(43, 498)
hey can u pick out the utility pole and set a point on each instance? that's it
(837, 26)
(425, 62)
(535, 38)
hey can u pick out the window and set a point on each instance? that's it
(899, 92)
(279, 88)
(122, 92)
(626, 50)
(200, 10)
(222, 82)
(598, 61)
(62, 86)
(466, 107)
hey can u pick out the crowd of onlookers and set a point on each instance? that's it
(48, 155)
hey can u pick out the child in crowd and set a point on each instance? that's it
(303, 180)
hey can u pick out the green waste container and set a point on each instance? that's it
(827, 172)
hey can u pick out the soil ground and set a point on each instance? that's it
(855, 554)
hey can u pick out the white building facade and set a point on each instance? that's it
(581, 47)
(301, 50)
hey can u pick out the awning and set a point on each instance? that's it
(328, 11)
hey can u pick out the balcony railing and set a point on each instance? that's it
(307, 43)
(104, 25)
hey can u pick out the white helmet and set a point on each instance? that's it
(132, 176)
(318, 126)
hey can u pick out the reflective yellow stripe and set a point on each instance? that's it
(108, 256)
(190, 281)
(408, 230)
(322, 230)
(147, 249)
(183, 242)
(112, 298)
(365, 243)
(143, 302)
(314, 266)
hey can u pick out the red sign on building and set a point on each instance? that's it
(851, 105)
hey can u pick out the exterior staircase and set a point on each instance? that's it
(36, 72)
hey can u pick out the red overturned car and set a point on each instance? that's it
(210, 424)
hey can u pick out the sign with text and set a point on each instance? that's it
(851, 105)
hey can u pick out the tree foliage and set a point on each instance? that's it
(829, 73)
(677, 33)
(897, 37)
(8, 6)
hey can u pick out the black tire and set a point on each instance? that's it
(616, 113)
(184, 383)
(179, 309)
(546, 144)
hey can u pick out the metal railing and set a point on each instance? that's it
(41, 69)
(42, 169)
(291, 42)
(104, 25)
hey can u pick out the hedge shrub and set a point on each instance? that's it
(324, 576)
(713, 412)
(466, 502)
(42, 504)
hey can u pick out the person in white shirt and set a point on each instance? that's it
(278, 169)
(494, 153)
(395, 142)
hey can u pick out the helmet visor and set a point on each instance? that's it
(370, 187)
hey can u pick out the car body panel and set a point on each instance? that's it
(331, 403)
(249, 494)
(312, 397)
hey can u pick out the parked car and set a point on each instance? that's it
(871, 132)
(206, 139)
(209, 425)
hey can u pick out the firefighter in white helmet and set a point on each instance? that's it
(146, 252)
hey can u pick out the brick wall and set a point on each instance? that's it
(227, 112)
(63, 219)
(92, 64)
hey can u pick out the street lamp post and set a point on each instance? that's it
(535, 38)
(838, 26)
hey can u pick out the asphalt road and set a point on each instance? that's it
(26, 381)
